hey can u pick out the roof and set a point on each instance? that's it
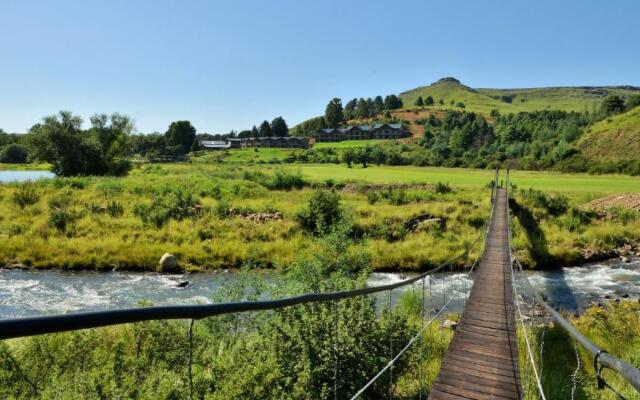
(211, 144)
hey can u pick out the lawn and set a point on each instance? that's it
(472, 178)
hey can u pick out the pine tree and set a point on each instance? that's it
(334, 114)
(279, 127)
(419, 102)
(428, 101)
(265, 129)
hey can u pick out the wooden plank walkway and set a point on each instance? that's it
(482, 361)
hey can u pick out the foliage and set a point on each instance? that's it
(323, 212)
(555, 204)
(60, 141)
(176, 204)
(334, 114)
(181, 134)
(25, 195)
(13, 154)
(279, 127)
(443, 188)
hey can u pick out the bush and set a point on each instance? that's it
(284, 180)
(176, 205)
(556, 204)
(13, 154)
(62, 218)
(26, 195)
(396, 197)
(322, 213)
(443, 188)
(372, 197)
(115, 209)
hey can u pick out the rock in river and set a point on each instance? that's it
(168, 263)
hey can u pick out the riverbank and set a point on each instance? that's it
(218, 217)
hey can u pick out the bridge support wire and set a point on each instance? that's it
(400, 353)
(602, 359)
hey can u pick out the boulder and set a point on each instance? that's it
(168, 263)
(449, 324)
(625, 259)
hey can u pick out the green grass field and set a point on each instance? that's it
(25, 167)
(256, 155)
(472, 178)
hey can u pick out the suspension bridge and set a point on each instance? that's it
(482, 361)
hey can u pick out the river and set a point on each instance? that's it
(30, 293)
(22, 176)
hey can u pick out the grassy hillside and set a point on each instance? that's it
(613, 139)
(514, 100)
(506, 101)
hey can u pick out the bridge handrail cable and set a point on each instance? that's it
(601, 357)
(31, 326)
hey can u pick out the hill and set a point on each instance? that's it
(613, 139)
(582, 98)
(483, 100)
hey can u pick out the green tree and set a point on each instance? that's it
(334, 114)
(378, 105)
(392, 102)
(181, 134)
(350, 108)
(378, 155)
(428, 101)
(101, 150)
(633, 101)
(348, 156)
(13, 154)
(279, 127)
(323, 212)
(265, 129)
(613, 105)
(363, 156)
(362, 109)
(419, 102)
(441, 102)
(254, 132)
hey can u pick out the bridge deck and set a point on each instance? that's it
(482, 361)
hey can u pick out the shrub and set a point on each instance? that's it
(176, 205)
(284, 180)
(26, 195)
(13, 154)
(396, 197)
(16, 229)
(62, 218)
(443, 188)
(322, 213)
(115, 209)
(556, 204)
(223, 209)
(372, 197)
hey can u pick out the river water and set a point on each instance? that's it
(29, 293)
(21, 176)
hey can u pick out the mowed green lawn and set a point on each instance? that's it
(543, 180)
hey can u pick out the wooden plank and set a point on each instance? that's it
(482, 360)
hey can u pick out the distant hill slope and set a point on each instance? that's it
(514, 100)
(613, 139)
(582, 98)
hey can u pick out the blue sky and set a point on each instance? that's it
(231, 64)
